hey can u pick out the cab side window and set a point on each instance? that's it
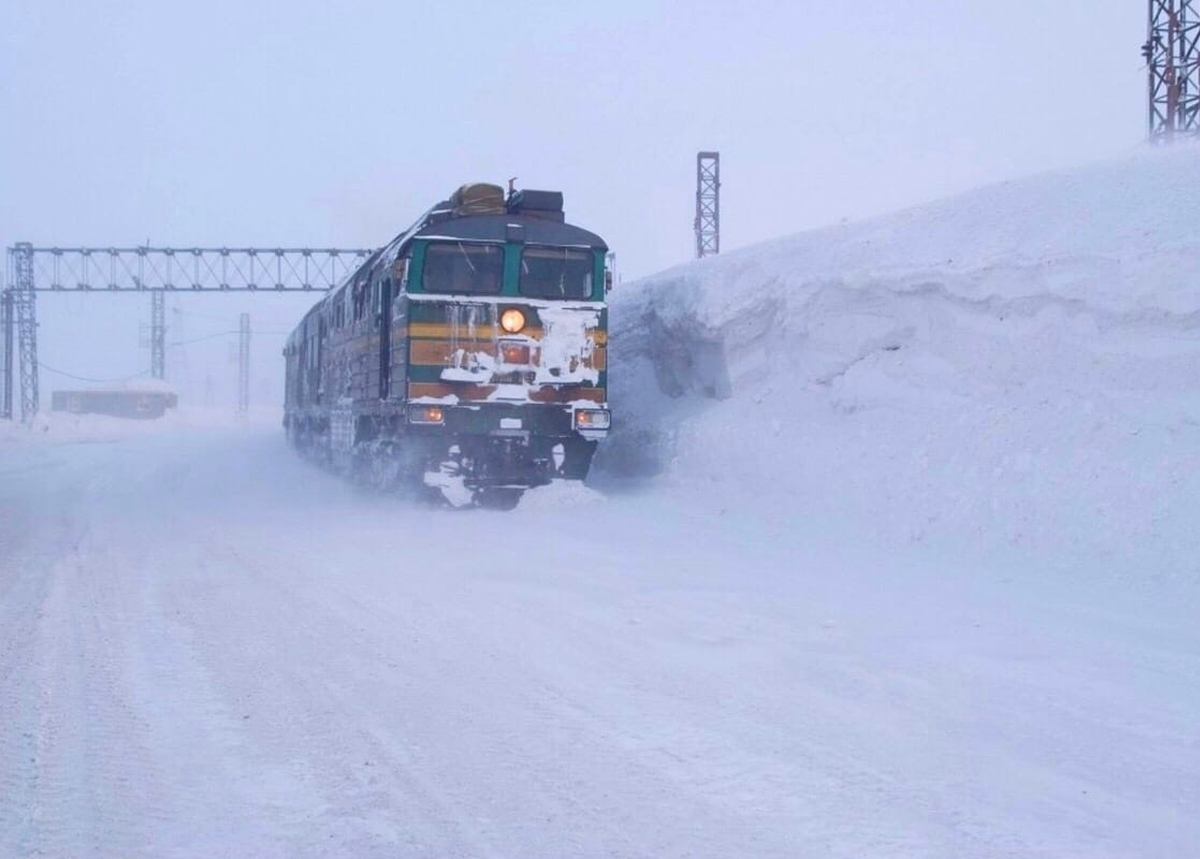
(360, 299)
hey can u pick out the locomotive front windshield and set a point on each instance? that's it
(463, 268)
(556, 273)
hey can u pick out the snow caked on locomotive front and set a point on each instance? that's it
(467, 355)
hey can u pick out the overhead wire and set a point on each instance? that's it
(44, 366)
(51, 369)
(253, 331)
(201, 339)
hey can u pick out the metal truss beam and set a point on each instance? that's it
(1172, 54)
(146, 269)
(84, 269)
(708, 204)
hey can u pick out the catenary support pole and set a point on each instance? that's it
(8, 311)
(158, 335)
(24, 298)
(708, 204)
(1172, 55)
(243, 407)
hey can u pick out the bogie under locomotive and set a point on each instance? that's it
(468, 355)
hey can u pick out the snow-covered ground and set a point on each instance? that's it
(893, 555)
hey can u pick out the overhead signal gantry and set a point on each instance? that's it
(156, 270)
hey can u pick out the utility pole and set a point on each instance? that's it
(181, 375)
(1172, 55)
(7, 312)
(158, 334)
(243, 365)
(24, 300)
(708, 204)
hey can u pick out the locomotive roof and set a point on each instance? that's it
(494, 228)
(474, 228)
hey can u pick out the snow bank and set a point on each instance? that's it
(1010, 371)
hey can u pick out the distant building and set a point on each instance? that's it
(117, 402)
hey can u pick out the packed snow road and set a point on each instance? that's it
(210, 648)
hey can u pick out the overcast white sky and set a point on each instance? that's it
(336, 123)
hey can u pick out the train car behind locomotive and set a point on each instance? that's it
(468, 355)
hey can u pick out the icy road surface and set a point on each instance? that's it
(209, 648)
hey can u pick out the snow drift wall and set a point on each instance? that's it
(1012, 371)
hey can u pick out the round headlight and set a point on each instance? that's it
(512, 320)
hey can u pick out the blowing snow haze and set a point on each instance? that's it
(316, 124)
(890, 550)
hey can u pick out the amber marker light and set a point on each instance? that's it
(512, 320)
(426, 415)
(592, 419)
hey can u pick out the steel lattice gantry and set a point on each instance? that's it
(1172, 55)
(708, 203)
(147, 269)
(196, 269)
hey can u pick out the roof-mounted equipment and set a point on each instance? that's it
(547, 205)
(477, 198)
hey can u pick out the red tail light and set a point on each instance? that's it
(514, 353)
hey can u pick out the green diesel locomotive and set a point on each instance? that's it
(469, 355)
